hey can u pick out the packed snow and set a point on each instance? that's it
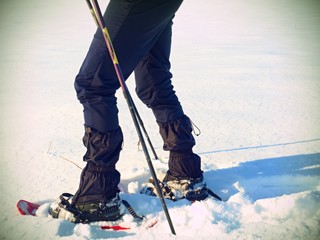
(247, 73)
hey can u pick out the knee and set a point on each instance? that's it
(146, 96)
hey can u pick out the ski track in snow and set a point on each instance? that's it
(246, 73)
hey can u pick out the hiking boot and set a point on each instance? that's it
(191, 189)
(176, 189)
(110, 210)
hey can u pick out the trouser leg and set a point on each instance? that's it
(178, 139)
(134, 27)
(99, 179)
(154, 87)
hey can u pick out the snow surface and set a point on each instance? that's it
(247, 73)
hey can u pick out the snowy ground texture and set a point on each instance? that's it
(247, 73)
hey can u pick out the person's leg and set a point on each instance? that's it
(155, 89)
(134, 27)
(99, 179)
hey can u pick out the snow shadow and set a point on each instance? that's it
(267, 178)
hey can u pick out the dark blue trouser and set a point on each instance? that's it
(141, 34)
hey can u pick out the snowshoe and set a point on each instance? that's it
(176, 189)
(110, 210)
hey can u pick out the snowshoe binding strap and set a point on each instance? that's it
(84, 216)
(213, 194)
(131, 211)
(65, 204)
(168, 192)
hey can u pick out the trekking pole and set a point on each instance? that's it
(96, 12)
(129, 95)
(143, 128)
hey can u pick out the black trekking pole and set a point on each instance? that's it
(143, 128)
(96, 12)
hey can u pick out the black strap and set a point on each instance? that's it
(213, 194)
(131, 211)
(64, 203)
(83, 217)
(166, 190)
(168, 193)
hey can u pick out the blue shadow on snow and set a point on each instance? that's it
(267, 178)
